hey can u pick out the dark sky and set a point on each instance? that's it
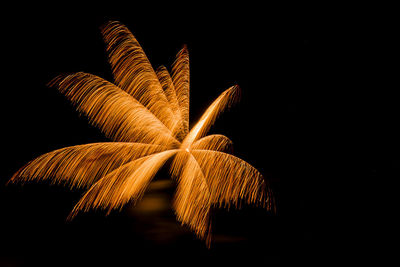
(307, 120)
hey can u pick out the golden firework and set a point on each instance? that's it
(146, 115)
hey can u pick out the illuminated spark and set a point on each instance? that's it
(146, 114)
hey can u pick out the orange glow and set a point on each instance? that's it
(146, 115)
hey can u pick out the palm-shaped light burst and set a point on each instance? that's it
(146, 114)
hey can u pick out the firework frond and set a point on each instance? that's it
(127, 182)
(181, 80)
(217, 142)
(169, 89)
(226, 99)
(192, 200)
(133, 71)
(230, 179)
(82, 165)
(117, 114)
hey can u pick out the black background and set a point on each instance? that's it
(315, 118)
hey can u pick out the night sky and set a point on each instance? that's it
(307, 120)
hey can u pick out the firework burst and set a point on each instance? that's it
(146, 115)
